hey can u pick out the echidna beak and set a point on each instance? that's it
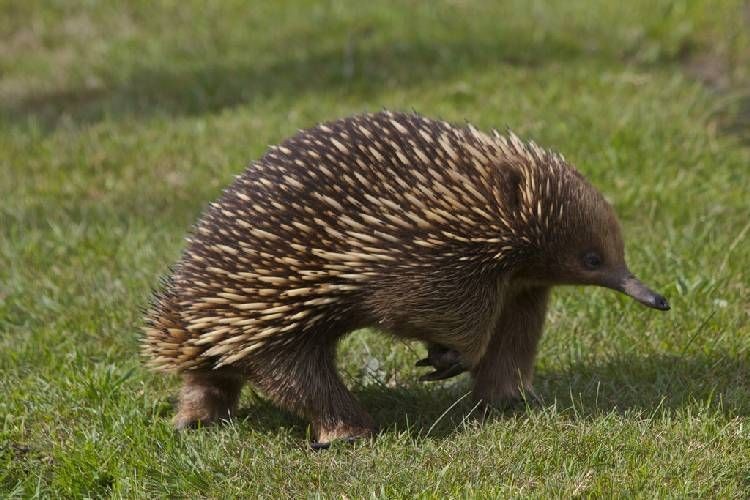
(632, 286)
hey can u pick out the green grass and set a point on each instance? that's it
(118, 124)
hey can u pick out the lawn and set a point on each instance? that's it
(120, 122)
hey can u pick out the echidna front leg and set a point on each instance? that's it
(304, 380)
(504, 374)
(207, 396)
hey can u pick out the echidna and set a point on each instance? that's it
(413, 226)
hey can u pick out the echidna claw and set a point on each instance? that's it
(424, 362)
(326, 445)
(445, 361)
(444, 373)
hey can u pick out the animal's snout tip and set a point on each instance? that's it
(661, 303)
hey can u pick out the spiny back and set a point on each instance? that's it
(319, 220)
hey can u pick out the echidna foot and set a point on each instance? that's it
(193, 417)
(510, 399)
(342, 433)
(183, 421)
(325, 446)
(446, 361)
(206, 398)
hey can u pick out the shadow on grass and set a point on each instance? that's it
(718, 381)
(357, 65)
(651, 385)
(734, 117)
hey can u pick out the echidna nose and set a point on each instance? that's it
(661, 303)
(630, 285)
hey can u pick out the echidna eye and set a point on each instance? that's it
(592, 260)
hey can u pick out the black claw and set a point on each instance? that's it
(451, 371)
(325, 446)
(445, 361)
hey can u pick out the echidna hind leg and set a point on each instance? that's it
(206, 397)
(305, 381)
(505, 372)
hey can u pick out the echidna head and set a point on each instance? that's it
(586, 248)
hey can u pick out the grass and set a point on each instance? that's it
(119, 123)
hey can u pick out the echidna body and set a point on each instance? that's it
(416, 227)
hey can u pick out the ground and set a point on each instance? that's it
(120, 122)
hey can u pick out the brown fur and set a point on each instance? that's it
(207, 396)
(505, 372)
(416, 227)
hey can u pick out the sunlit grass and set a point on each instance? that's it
(119, 124)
